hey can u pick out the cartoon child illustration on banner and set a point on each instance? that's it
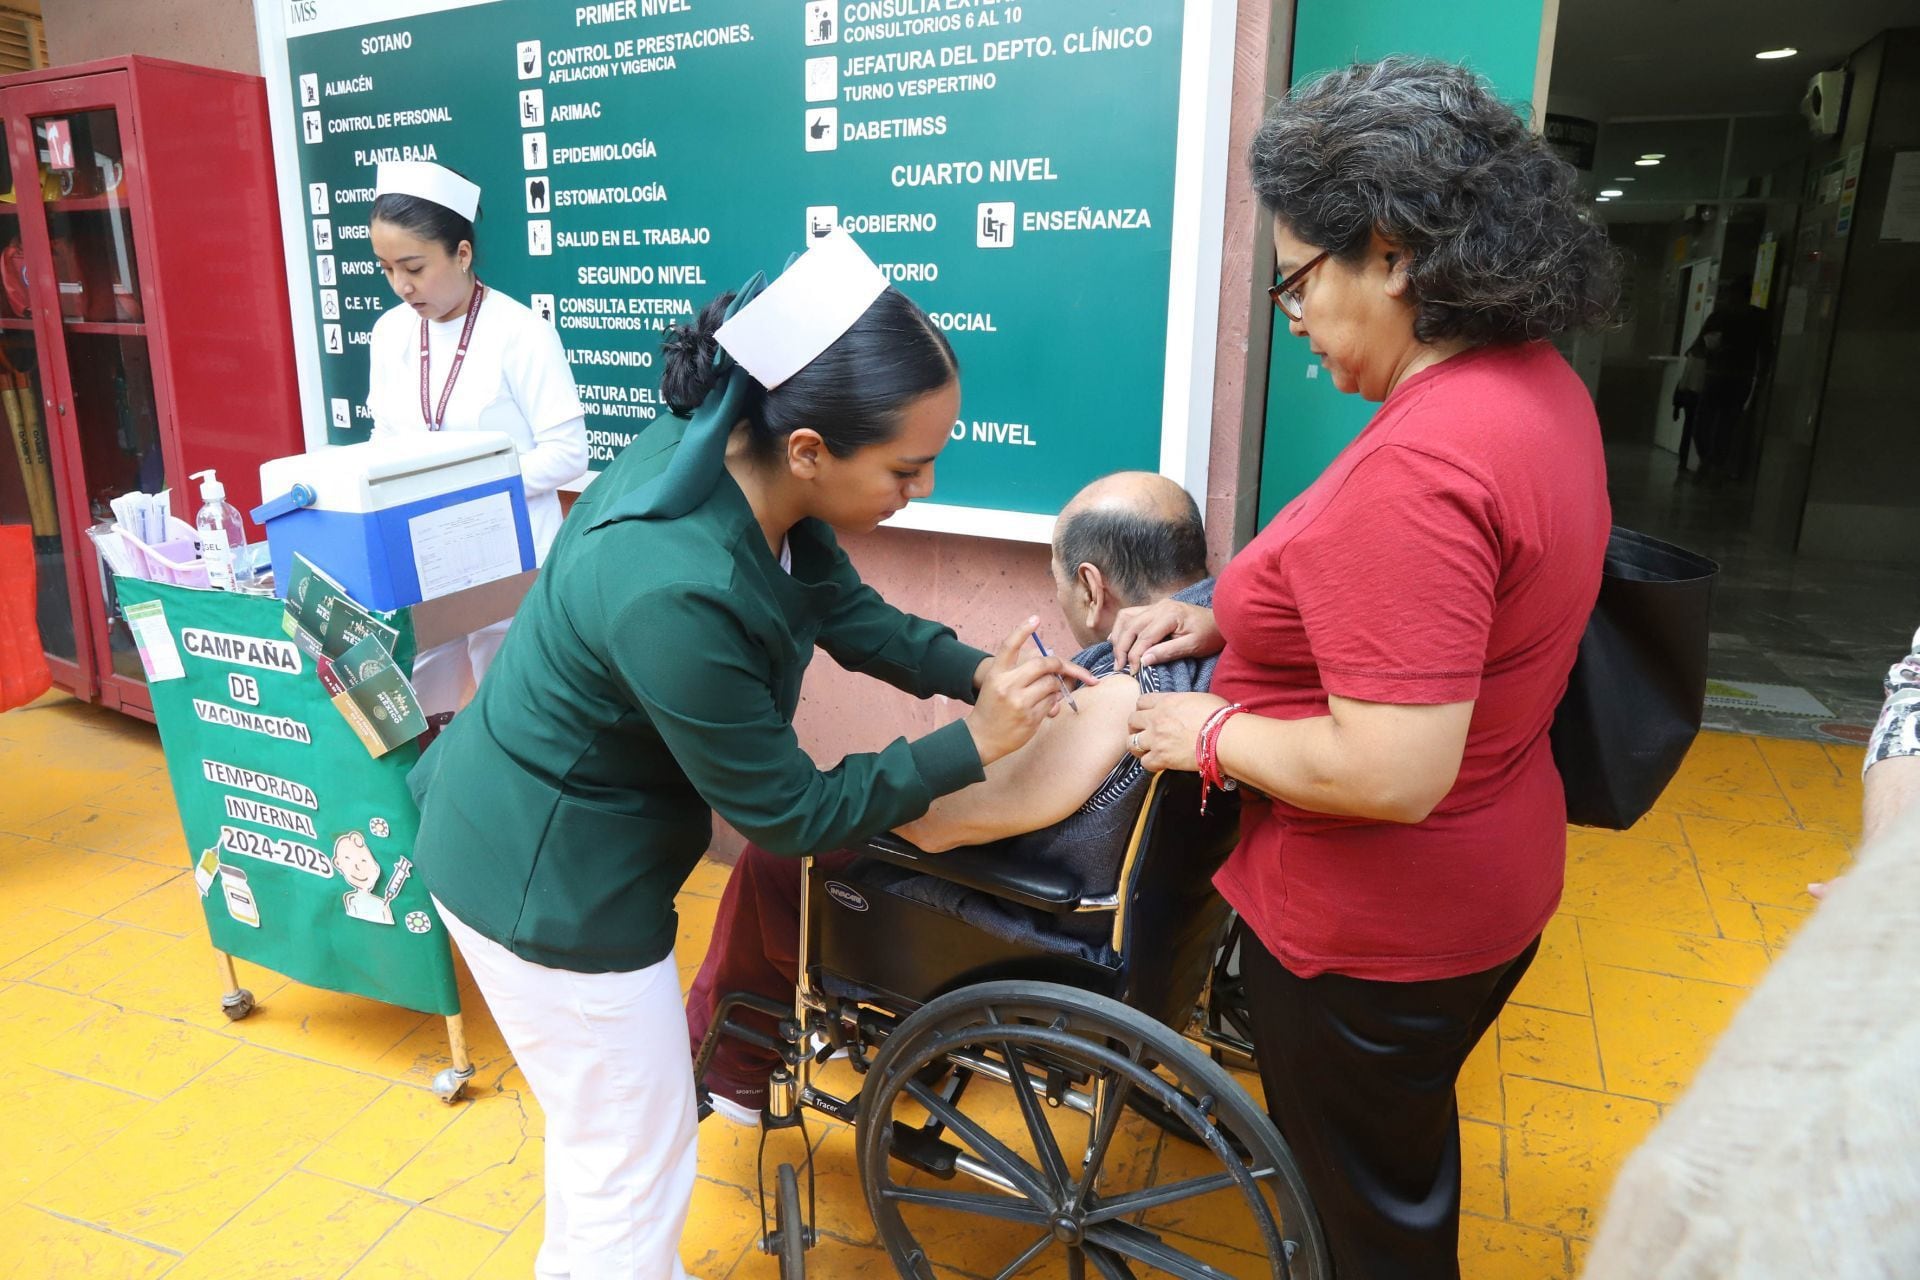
(359, 869)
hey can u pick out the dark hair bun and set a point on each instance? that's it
(686, 372)
(852, 393)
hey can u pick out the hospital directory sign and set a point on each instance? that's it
(1042, 176)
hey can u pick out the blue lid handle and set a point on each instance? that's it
(292, 500)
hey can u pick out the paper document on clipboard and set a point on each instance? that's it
(465, 545)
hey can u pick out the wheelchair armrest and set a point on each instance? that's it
(986, 868)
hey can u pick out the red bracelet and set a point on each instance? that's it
(1207, 753)
(1203, 742)
(1211, 737)
(1205, 745)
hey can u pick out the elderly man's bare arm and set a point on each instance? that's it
(1041, 783)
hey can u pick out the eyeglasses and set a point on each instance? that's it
(1286, 294)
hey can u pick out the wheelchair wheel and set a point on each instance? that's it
(1066, 1180)
(1168, 1121)
(790, 1233)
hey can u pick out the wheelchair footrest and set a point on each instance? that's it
(922, 1150)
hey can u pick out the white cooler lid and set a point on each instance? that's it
(408, 468)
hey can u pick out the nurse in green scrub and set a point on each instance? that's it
(651, 679)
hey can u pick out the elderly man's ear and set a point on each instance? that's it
(1092, 596)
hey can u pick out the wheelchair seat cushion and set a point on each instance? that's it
(1083, 936)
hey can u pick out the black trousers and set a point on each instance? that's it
(1720, 432)
(1686, 405)
(1359, 1077)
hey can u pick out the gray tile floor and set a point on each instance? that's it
(1831, 627)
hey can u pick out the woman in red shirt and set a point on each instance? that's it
(1394, 643)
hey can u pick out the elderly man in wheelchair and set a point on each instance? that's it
(1010, 976)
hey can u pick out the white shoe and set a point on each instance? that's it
(816, 1042)
(727, 1109)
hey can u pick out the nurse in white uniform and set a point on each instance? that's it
(456, 355)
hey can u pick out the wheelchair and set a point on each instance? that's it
(1009, 1076)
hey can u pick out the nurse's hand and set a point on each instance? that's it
(1162, 631)
(1016, 696)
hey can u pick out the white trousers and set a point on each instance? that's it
(445, 676)
(607, 1058)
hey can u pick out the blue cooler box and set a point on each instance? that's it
(403, 521)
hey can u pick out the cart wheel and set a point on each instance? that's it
(789, 1242)
(237, 1004)
(450, 1085)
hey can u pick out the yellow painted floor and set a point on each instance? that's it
(145, 1135)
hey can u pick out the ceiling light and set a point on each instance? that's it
(1624, 179)
(1603, 200)
(1653, 155)
(1770, 54)
(1646, 163)
(1611, 192)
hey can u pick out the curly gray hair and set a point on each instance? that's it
(1504, 246)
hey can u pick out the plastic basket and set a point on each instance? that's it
(177, 560)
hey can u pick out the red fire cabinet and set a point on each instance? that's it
(144, 327)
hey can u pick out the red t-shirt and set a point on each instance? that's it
(1451, 553)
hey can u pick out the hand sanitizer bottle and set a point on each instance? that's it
(223, 536)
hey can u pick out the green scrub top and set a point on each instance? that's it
(650, 680)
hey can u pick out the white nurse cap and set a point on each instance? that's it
(804, 312)
(428, 181)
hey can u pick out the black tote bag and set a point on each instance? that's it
(1638, 689)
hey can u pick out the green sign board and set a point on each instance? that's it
(299, 839)
(1045, 177)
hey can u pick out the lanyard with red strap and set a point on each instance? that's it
(438, 419)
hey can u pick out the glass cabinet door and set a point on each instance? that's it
(85, 191)
(28, 474)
